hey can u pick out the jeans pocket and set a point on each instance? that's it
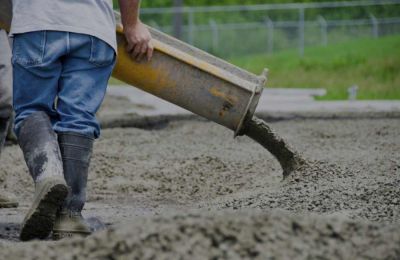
(101, 54)
(29, 48)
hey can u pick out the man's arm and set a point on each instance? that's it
(136, 33)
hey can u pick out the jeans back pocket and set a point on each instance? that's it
(29, 48)
(101, 54)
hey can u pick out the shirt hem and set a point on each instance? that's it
(66, 28)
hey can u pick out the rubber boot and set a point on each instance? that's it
(4, 123)
(42, 155)
(5, 201)
(11, 138)
(76, 151)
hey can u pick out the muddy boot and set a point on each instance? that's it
(76, 150)
(5, 201)
(42, 155)
(4, 123)
(70, 224)
(11, 138)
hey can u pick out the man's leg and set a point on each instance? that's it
(83, 84)
(36, 71)
(5, 102)
(11, 137)
(5, 86)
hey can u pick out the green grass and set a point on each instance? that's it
(371, 64)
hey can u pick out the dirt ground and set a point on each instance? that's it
(185, 189)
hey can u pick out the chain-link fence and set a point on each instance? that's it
(241, 30)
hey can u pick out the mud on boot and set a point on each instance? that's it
(76, 151)
(42, 155)
(4, 124)
(7, 202)
(70, 224)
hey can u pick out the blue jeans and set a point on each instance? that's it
(63, 74)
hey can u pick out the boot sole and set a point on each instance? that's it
(58, 235)
(63, 229)
(41, 216)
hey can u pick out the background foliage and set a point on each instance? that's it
(355, 12)
(379, 11)
(372, 64)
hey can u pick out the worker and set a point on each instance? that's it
(63, 55)
(5, 104)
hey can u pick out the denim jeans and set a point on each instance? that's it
(63, 74)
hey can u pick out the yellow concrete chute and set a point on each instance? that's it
(185, 76)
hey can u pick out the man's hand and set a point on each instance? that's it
(139, 41)
(136, 33)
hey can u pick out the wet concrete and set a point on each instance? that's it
(188, 190)
(259, 131)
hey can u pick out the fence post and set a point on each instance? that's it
(270, 26)
(191, 27)
(177, 19)
(324, 30)
(375, 29)
(301, 32)
(215, 34)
